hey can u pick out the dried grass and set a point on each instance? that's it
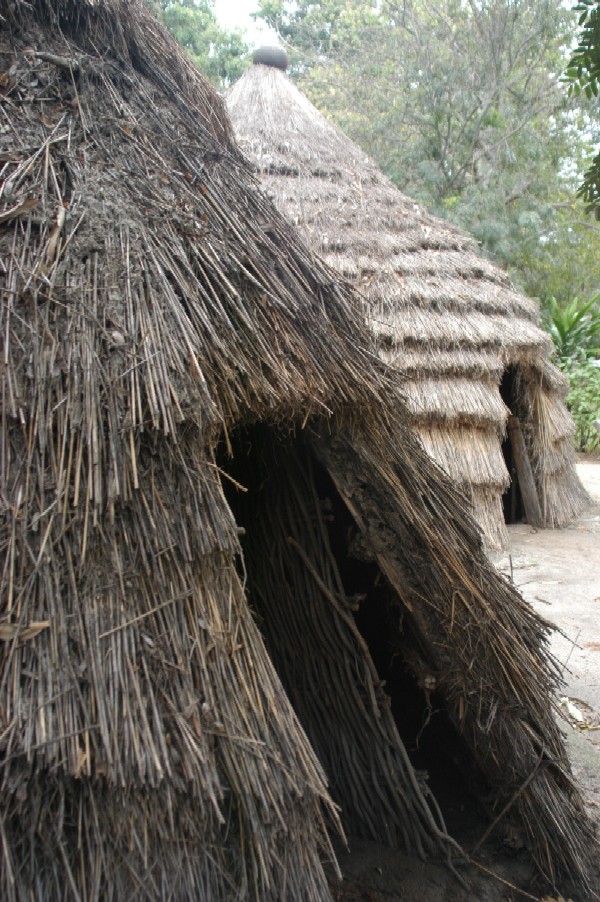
(147, 305)
(484, 643)
(152, 302)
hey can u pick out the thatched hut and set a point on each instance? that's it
(180, 378)
(468, 344)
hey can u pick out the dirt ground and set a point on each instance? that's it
(558, 572)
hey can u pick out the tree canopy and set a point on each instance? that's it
(219, 53)
(584, 73)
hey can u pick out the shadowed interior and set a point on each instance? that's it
(512, 500)
(298, 536)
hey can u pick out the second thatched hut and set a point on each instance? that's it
(470, 347)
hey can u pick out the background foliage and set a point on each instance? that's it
(583, 400)
(584, 74)
(220, 54)
(575, 331)
(575, 328)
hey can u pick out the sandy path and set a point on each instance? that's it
(558, 572)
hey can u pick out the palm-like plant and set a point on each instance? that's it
(574, 328)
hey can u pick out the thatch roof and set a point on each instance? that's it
(155, 310)
(447, 318)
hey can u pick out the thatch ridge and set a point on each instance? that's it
(153, 303)
(425, 288)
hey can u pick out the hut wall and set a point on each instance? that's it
(549, 431)
(92, 841)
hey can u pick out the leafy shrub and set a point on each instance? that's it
(574, 328)
(575, 331)
(583, 400)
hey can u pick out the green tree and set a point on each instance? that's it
(220, 54)
(584, 74)
(566, 263)
(583, 400)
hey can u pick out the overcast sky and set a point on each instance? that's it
(236, 14)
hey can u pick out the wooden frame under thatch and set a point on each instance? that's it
(156, 311)
(469, 346)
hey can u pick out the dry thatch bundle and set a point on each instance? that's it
(164, 335)
(468, 344)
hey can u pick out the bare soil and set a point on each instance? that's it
(558, 572)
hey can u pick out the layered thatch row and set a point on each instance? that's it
(154, 305)
(449, 320)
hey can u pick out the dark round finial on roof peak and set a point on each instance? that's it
(276, 57)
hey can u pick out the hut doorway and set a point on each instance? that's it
(512, 501)
(341, 642)
(520, 499)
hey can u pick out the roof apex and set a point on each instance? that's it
(272, 56)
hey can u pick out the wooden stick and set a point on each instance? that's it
(527, 485)
(62, 62)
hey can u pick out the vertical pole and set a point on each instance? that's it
(527, 485)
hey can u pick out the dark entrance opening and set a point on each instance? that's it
(311, 583)
(512, 499)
